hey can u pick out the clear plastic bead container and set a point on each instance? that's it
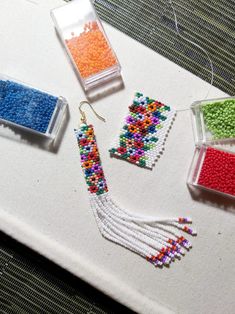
(213, 169)
(24, 108)
(86, 43)
(213, 120)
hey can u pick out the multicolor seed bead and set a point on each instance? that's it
(143, 134)
(26, 106)
(173, 250)
(218, 171)
(219, 118)
(184, 220)
(90, 160)
(90, 50)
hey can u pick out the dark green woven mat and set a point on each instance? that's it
(30, 284)
(209, 23)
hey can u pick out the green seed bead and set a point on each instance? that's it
(219, 118)
(154, 139)
(142, 162)
(112, 151)
(84, 128)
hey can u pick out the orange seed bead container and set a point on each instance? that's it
(86, 43)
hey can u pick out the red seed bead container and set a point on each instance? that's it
(213, 169)
(86, 43)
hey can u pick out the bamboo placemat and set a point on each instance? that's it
(211, 24)
(30, 284)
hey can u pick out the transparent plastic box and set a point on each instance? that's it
(25, 108)
(207, 127)
(86, 43)
(213, 169)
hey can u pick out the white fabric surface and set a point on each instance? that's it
(44, 202)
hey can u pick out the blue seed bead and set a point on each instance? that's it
(26, 106)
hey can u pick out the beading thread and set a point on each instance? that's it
(143, 135)
(157, 239)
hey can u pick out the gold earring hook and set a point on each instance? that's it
(83, 118)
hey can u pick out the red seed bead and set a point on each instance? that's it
(218, 171)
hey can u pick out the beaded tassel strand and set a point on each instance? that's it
(153, 238)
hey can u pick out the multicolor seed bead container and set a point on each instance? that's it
(29, 109)
(213, 120)
(86, 43)
(213, 169)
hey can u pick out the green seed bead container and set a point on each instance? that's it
(213, 120)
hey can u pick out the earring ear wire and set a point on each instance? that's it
(83, 115)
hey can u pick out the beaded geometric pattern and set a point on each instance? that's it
(143, 135)
(90, 160)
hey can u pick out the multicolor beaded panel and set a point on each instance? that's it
(144, 132)
(90, 160)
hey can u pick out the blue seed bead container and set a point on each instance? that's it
(30, 109)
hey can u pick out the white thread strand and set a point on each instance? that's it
(196, 45)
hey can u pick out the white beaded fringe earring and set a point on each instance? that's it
(154, 238)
